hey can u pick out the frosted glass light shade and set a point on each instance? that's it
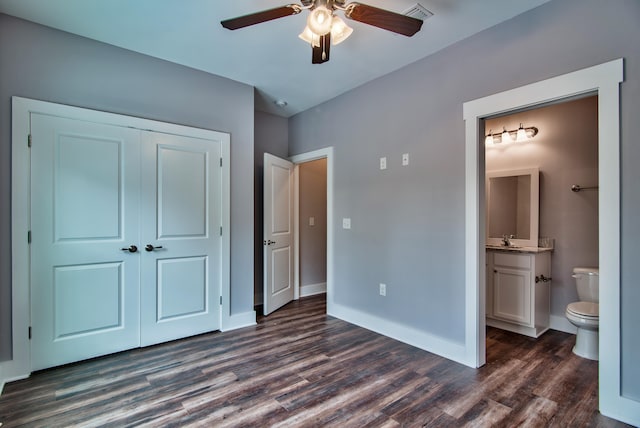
(339, 31)
(506, 137)
(320, 20)
(521, 135)
(308, 36)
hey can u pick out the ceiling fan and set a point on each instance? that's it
(324, 27)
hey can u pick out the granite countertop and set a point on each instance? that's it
(516, 249)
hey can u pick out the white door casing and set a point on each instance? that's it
(85, 192)
(278, 233)
(180, 237)
(20, 365)
(127, 245)
(603, 79)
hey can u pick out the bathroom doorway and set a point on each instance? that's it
(603, 79)
(567, 158)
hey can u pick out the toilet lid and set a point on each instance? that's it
(584, 309)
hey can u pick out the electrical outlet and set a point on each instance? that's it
(405, 159)
(383, 289)
(383, 163)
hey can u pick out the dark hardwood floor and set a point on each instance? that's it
(300, 367)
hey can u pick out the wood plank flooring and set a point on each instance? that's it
(300, 367)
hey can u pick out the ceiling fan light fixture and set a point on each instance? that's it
(308, 36)
(320, 20)
(339, 31)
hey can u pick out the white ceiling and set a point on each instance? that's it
(268, 56)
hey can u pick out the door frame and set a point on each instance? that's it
(328, 154)
(603, 80)
(19, 367)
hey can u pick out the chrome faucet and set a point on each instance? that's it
(506, 240)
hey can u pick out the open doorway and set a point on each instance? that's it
(315, 178)
(568, 219)
(603, 79)
(312, 227)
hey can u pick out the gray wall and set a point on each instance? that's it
(41, 63)
(408, 223)
(271, 136)
(566, 151)
(313, 239)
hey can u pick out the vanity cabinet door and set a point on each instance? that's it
(512, 295)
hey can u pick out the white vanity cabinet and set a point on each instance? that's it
(518, 292)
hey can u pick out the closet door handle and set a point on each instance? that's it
(150, 247)
(131, 249)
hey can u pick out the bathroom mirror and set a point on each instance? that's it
(513, 207)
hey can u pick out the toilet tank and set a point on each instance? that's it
(587, 283)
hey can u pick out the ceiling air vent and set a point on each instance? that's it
(418, 11)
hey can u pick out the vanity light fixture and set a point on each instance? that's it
(521, 135)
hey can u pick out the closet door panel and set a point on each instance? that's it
(180, 226)
(84, 204)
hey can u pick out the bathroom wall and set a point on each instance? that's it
(566, 151)
(313, 237)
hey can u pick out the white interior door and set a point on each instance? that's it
(278, 233)
(180, 236)
(84, 204)
(126, 244)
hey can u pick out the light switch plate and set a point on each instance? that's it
(405, 159)
(383, 289)
(346, 223)
(383, 163)
(312, 221)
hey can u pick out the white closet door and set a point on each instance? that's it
(84, 205)
(180, 235)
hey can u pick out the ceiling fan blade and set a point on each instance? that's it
(384, 19)
(320, 53)
(259, 17)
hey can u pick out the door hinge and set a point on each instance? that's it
(29, 141)
(221, 300)
(220, 230)
(29, 237)
(29, 332)
(220, 161)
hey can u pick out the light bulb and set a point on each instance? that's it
(320, 20)
(308, 36)
(339, 31)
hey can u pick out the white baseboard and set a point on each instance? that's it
(11, 371)
(312, 289)
(420, 339)
(236, 321)
(561, 323)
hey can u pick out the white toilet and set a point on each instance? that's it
(585, 314)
